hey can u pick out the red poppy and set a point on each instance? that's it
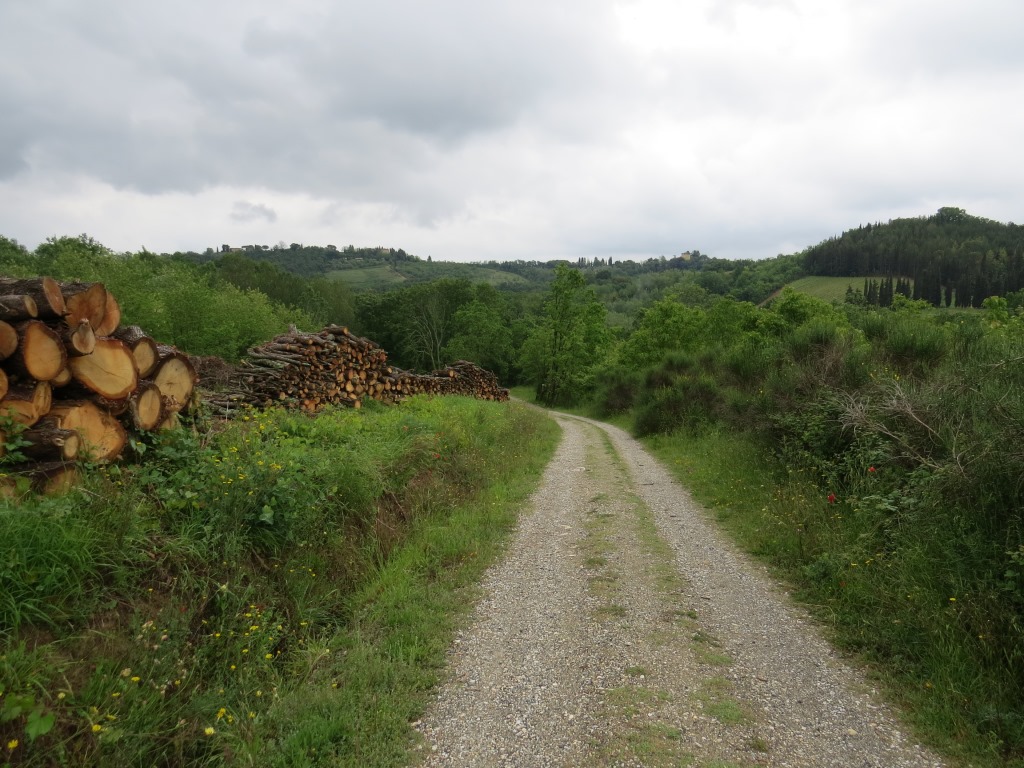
(831, 498)
(871, 470)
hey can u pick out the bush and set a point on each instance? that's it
(691, 403)
(616, 391)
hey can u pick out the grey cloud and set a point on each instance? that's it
(244, 211)
(358, 103)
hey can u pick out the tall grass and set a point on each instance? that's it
(276, 591)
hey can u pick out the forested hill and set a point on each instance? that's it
(952, 257)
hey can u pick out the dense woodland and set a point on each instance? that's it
(891, 422)
(951, 258)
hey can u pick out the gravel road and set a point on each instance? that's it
(622, 629)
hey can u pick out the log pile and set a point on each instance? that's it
(77, 381)
(335, 367)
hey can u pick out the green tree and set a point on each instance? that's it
(482, 333)
(430, 319)
(562, 351)
(665, 326)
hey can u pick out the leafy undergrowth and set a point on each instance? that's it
(281, 592)
(887, 590)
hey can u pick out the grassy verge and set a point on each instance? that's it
(281, 592)
(892, 606)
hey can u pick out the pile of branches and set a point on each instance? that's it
(76, 381)
(335, 367)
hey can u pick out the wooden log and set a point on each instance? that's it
(55, 478)
(18, 307)
(8, 340)
(45, 292)
(146, 407)
(102, 436)
(41, 353)
(23, 402)
(111, 317)
(50, 478)
(63, 378)
(176, 378)
(78, 340)
(143, 347)
(42, 396)
(172, 421)
(109, 371)
(85, 301)
(48, 441)
(4, 383)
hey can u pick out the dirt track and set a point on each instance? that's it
(622, 629)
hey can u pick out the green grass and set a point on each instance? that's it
(827, 288)
(639, 738)
(375, 278)
(281, 591)
(717, 703)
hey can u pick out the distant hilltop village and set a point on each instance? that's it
(298, 246)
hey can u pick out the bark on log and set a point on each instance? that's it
(41, 353)
(45, 292)
(102, 436)
(48, 441)
(18, 307)
(109, 371)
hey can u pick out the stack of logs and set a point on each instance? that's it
(334, 367)
(77, 381)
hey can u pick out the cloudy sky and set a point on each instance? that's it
(472, 130)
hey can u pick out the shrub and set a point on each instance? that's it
(616, 391)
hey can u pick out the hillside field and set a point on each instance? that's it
(827, 288)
